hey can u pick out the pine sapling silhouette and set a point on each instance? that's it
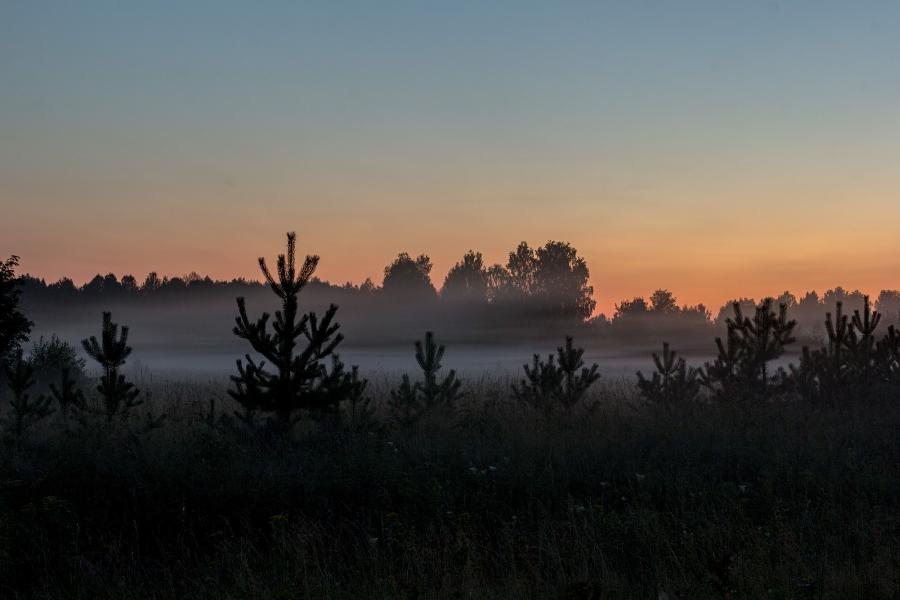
(25, 411)
(405, 406)
(357, 411)
(540, 386)
(887, 351)
(434, 392)
(117, 394)
(556, 382)
(673, 383)
(575, 382)
(838, 331)
(67, 396)
(740, 370)
(854, 363)
(301, 382)
(412, 401)
(861, 342)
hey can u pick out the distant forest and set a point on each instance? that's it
(538, 290)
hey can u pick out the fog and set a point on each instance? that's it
(194, 339)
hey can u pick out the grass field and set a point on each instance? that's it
(775, 500)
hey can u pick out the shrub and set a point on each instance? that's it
(49, 357)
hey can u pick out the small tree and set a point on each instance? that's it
(673, 383)
(49, 357)
(861, 342)
(14, 327)
(556, 382)
(411, 401)
(67, 395)
(853, 364)
(740, 371)
(357, 412)
(301, 381)
(25, 410)
(117, 394)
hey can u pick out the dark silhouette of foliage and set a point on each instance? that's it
(561, 279)
(556, 382)
(357, 411)
(663, 302)
(118, 395)
(412, 401)
(67, 395)
(887, 351)
(405, 407)
(409, 277)
(673, 383)
(854, 364)
(25, 411)
(740, 371)
(302, 381)
(49, 357)
(467, 280)
(861, 342)
(633, 307)
(521, 270)
(14, 326)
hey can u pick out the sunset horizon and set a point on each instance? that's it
(449, 300)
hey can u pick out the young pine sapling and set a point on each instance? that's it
(25, 411)
(117, 394)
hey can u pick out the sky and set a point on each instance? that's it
(718, 149)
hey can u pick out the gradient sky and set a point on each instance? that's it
(718, 149)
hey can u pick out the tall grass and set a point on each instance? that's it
(775, 500)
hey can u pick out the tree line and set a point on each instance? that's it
(548, 284)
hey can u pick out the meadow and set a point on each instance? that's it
(615, 498)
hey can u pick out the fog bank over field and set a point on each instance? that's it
(491, 317)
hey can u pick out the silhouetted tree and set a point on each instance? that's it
(673, 383)
(129, 285)
(888, 304)
(117, 394)
(556, 382)
(25, 411)
(561, 282)
(854, 364)
(14, 327)
(67, 395)
(49, 357)
(635, 307)
(467, 280)
(740, 371)
(151, 284)
(663, 302)
(412, 401)
(302, 381)
(357, 411)
(521, 268)
(409, 277)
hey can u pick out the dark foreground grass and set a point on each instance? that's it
(777, 501)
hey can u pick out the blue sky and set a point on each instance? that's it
(373, 128)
